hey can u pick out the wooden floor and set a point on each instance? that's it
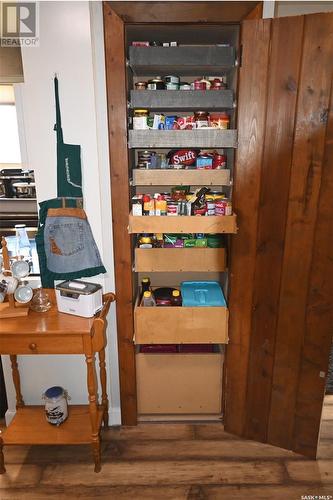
(171, 461)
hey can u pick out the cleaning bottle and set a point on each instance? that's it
(176, 298)
(148, 300)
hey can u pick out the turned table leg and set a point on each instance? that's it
(92, 391)
(2, 460)
(16, 380)
(102, 374)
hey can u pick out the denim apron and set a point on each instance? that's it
(65, 243)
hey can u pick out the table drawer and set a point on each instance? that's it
(41, 344)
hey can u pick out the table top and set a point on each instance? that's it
(51, 322)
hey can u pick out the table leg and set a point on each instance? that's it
(2, 460)
(92, 391)
(16, 380)
(102, 374)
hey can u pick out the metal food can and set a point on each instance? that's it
(210, 207)
(172, 86)
(199, 85)
(219, 162)
(184, 86)
(141, 85)
(220, 207)
(172, 79)
(172, 208)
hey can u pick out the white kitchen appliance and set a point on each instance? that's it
(79, 298)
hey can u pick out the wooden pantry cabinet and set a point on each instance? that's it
(278, 271)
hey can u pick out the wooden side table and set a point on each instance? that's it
(58, 333)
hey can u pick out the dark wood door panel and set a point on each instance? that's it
(251, 131)
(284, 64)
(281, 274)
(115, 60)
(305, 181)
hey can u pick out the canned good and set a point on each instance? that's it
(200, 211)
(223, 207)
(172, 86)
(184, 86)
(220, 207)
(218, 195)
(156, 84)
(210, 207)
(172, 208)
(171, 79)
(219, 162)
(141, 85)
(198, 85)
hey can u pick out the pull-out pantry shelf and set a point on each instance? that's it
(183, 60)
(172, 177)
(182, 224)
(181, 325)
(199, 138)
(182, 99)
(173, 384)
(180, 260)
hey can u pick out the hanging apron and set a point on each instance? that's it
(69, 178)
(65, 243)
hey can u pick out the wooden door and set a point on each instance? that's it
(281, 311)
(114, 35)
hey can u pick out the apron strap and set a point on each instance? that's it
(57, 126)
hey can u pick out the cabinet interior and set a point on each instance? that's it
(154, 367)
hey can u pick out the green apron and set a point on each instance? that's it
(69, 180)
(69, 191)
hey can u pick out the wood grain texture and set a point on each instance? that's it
(180, 259)
(172, 177)
(305, 182)
(117, 111)
(179, 383)
(150, 12)
(182, 224)
(143, 455)
(276, 163)
(251, 130)
(319, 308)
(181, 325)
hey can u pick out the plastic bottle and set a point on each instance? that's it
(22, 247)
(176, 299)
(148, 300)
(145, 286)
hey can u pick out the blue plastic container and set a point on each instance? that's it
(202, 294)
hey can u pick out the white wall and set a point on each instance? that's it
(71, 45)
(292, 8)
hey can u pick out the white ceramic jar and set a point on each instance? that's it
(56, 409)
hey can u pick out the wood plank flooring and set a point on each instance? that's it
(171, 461)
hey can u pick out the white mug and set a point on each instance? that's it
(11, 282)
(23, 294)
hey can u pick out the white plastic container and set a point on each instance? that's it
(79, 298)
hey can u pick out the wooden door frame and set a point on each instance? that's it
(116, 16)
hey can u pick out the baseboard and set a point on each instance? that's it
(115, 416)
(10, 414)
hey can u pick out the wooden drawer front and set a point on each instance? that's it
(36, 344)
(179, 383)
(181, 325)
(180, 259)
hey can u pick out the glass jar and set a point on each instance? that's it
(140, 119)
(201, 119)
